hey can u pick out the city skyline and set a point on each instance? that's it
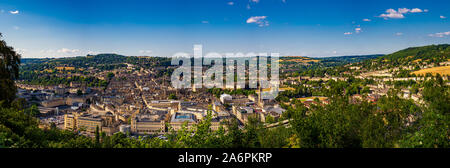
(163, 28)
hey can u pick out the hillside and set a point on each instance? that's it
(343, 60)
(298, 59)
(327, 61)
(100, 61)
(426, 53)
(414, 58)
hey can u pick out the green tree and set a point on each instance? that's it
(270, 119)
(172, 96)
(110, 75)
(97, 136)
(33, 111)
(432, 129)
(79, 92)
(9, 71)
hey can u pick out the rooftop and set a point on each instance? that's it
(182, 117)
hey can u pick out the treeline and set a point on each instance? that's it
(344, 60)
(331, 66)
(32, 78)
(298, 92)
(321, 88)
(100, 61)
(432, 54)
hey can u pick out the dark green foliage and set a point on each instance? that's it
(333, 66)
(45, 80)
(20, 129)
(432, 54)
(334, 126)
(110, 75)
(343, 60)
(432, 129)
(9, 71)
(300, 91)
(172, 97)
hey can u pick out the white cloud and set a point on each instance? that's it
(14, 12)
(416, 10)
(393, 14)
(21, 51)
(205, 22)
(16, 27)
(68, 51)
(400, 13)
(404, 10)
(357, 31)
(230, 3)
(47, 51)
(147, 52)
(366, 20)
(442, 17)
(2, 11)
(442, 34)
(92, 52)
(284, 1)
(255, 19)
(399, 34)
(255, 1)
(61, 52)
(248, 7)
(259, 20)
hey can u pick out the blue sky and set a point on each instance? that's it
(62, 28)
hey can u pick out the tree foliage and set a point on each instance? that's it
(9, 71)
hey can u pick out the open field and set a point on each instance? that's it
(298, 59)
(280, 89)
(312, 98)
(442, 70)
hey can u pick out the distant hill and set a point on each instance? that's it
(413, 61)
(348, 59)
(99, 61)
(327, 61)
(417, 56)
(297, 59)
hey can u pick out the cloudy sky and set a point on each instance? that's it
(62, 28)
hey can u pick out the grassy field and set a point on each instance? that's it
(298, 59)
(280, 89)
(312, 98)
(443, 70)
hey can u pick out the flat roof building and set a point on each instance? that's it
(145, 124)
